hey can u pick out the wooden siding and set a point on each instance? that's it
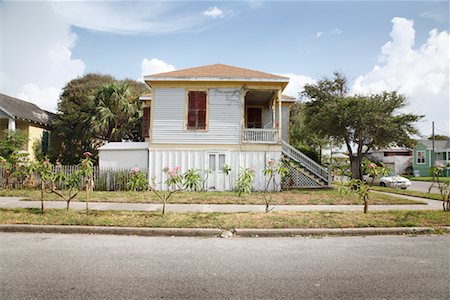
(223, 117)
(198, 159)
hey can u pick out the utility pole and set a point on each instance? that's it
(433, 155)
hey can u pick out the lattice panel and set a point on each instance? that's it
(296, 179)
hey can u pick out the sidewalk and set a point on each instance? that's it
(15, 202)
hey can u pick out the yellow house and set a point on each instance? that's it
(16, 114)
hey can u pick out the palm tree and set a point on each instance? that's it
(116, 112)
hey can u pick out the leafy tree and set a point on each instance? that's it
(301, 136)
(115, 112)
(439, 137)
(361, 122)
(72, 133)
(11, 142)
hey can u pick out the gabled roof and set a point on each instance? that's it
(439, 145)
(216, 72)
(20, 109)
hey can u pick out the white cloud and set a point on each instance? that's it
(154, 66)
(334, 31)
(296, 84)
(438, 16)
(44, 97)
(421, 73)
(318, 34)
(214, 12)
(151, 17)
(37, 59)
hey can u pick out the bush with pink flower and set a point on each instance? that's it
(138, 180)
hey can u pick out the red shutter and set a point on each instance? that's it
(196, 110)
(201, 117)
(146, 123)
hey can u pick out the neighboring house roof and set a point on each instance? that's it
(286, 98)
(20, 109)
(216, 72)
(439, 145)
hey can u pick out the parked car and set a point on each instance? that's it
(390, 181)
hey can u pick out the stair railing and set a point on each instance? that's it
(309, 164)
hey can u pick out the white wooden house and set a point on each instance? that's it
(209, 116)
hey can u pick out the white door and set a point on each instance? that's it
(216, 179)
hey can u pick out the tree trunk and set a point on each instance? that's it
(366, 206)
(355, 162)
(67, 207)
(87, 197)
(164, 206)
(42, 194)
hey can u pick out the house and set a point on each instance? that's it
(423, 158)
(398, 160)
(16, 114)
(215, 115)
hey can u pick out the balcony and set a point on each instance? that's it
(260, 136)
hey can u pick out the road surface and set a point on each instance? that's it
(50, 266)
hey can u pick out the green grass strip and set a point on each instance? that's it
(275, 219)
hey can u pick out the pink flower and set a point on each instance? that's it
(177, 168)
(270, 162)
(87, 154)
(135, 170)
(372, 166)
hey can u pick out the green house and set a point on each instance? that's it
(422, 156)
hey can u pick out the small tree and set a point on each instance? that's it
(244, 181)
(437, 170)
(138, 180)
(45, 172)
(72, 183)
(362, 189)
(374, 170)
(87, 169)
(272, 171)
(176, 182)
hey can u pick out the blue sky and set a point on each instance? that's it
(379, 45)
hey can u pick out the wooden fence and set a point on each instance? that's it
(105, 179)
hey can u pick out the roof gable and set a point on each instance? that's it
(217, 71)
(24, 110)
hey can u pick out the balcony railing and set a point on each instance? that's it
(260, 136)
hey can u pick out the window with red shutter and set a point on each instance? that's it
(196, 117)
(146, 123)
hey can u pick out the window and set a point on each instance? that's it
(146, 123)
(196, 115)
(420, 157)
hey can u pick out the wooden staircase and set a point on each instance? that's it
(303, 171)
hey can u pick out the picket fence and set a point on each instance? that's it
(105, 179)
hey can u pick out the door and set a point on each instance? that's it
(216, 179)
(254, 117)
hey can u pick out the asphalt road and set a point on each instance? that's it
(51, 266)
(422, 186)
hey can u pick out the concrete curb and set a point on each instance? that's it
(206, 232)
(338, 231)
(214, 232)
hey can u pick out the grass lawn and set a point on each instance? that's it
(432, 196)
(282, 219)
(430, 179)
(299, 197)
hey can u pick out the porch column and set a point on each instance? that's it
(279, 115)
(12, 124)
(273, 113)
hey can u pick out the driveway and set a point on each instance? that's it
(422, 186)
